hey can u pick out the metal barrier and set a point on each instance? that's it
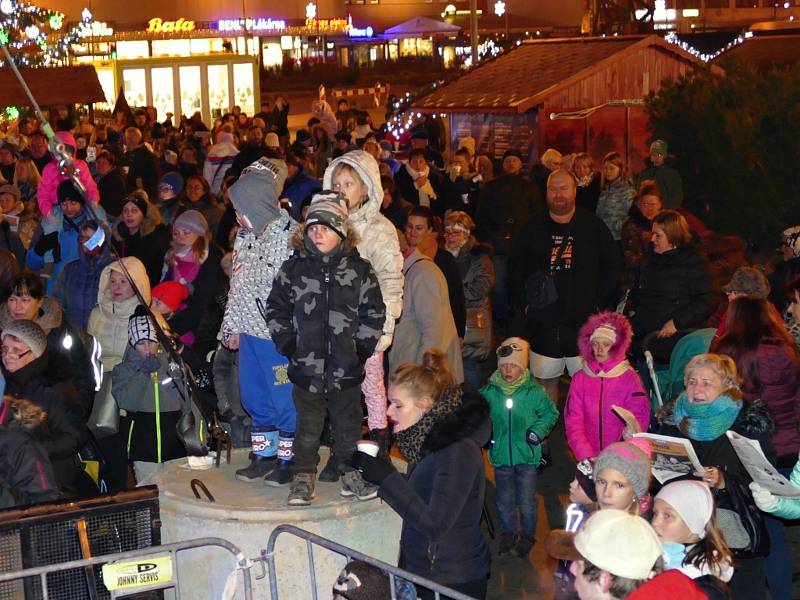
(312, 539)
(138, 571)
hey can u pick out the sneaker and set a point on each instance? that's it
(506, 543)
(353, 484)
(280, 475)
(524, 545)
(259, 467)
(330, 473)
(302, 490)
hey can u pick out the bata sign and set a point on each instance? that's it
(157, 25)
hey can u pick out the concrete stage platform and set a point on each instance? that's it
(246, 513)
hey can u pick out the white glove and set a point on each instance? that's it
(384, 343)
(764, 499)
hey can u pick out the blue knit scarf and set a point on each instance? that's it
(706, 422)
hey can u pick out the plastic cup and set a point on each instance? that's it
(368, 447)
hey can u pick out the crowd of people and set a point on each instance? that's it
(308, 281)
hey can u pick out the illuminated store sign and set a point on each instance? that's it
(261, 24)
(156, 25)
(356, 32)
(327, 24)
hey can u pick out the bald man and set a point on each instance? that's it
(574, 248)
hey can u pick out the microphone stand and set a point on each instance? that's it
(192, 413)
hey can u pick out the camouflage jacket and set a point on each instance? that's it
(326, 313)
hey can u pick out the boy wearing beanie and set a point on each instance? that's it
(260, 248)
(150, 406)
(326, 314)
(522, 416)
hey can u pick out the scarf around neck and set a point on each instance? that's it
(411, 440)
(706, 422)
(509, 387)
(426, 193)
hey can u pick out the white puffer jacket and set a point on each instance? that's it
(379, 244)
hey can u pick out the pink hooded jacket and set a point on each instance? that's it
(590, 423)
(46, 193)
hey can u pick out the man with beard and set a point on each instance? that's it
(565, 267)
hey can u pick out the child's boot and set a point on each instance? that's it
(282, 474)
(301, 492)
(330, 473)
(262, 458)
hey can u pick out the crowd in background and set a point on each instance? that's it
(338, 263)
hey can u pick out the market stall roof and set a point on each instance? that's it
(525, 76)
(766, 51)
(421, 26)
(52, 85)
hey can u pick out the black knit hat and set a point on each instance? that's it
(66, 192)
(141, 327)
(361, 581)
(136, 199)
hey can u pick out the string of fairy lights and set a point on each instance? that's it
(35, 36)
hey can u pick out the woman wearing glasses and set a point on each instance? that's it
(477, 276)
(27, 369)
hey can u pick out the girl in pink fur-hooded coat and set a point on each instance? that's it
(606, 379)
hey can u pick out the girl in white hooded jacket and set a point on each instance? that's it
(357, 176)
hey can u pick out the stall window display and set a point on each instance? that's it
(191, 100)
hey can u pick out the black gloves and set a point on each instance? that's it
(532, 438)
(374, 470)
(49, 242)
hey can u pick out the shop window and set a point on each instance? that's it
(271, 55)
(106, 79)
(190, 90)
(243, 88)
(218, 98)
(202, 46)
(170, 47)
(137, 49)
(163, 90)
(135, 85)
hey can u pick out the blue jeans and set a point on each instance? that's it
(500, 300)
(516, 488)
(779, 562)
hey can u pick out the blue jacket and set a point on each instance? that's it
(76, 287)
(298, 188)
(67, 239)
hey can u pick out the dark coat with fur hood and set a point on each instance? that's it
(441, 498)
(325, 313)
(26, 476)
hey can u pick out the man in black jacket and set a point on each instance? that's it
(574, 248)
(251, 151)
(506, 204)
(110, 184)
(142, 168)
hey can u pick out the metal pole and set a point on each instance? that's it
(473, 29)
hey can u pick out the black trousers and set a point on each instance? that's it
(474, 589)
(344, 411)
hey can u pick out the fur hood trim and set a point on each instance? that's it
(25, 412)
(620, 348)
(151, 220)
(298, 235)
(469, 419)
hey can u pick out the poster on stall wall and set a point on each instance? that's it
(495, 133)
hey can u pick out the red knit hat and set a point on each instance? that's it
(171, 293)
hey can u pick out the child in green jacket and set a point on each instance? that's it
(522, 416)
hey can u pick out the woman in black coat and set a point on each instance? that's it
(672, 291)
(141, 233)
(63, 433)
(440, 431)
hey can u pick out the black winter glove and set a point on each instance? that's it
(49, 242)
(532, 438)
(145, 364)
(374, 470)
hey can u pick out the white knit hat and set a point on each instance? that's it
(692, 500)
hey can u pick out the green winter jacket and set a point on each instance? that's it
(530, 407)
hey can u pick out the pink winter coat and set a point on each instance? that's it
(590, 423)
(46, 194)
